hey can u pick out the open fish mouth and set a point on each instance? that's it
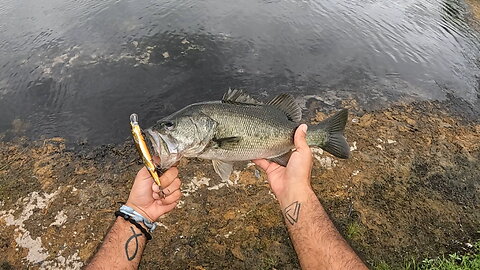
(162, 147)
(154, 143)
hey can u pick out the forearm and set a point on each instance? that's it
(318, 243)
(122, 247)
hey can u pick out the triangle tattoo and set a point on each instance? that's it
(292, 212)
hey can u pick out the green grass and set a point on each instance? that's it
(353, 230)
(446, 262)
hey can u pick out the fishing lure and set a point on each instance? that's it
(143, 149)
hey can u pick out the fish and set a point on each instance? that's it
(240, 128)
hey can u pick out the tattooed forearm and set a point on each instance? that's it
(135, 251)
(292, 212)
(122, 238)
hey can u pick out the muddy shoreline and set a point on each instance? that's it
(410, 190)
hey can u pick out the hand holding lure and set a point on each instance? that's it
(143, 149)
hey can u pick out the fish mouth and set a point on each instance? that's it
(162, 147)
(162, 144)
(155, 144)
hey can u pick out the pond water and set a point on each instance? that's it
(78, 69)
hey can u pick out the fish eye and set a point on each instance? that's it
(169, 125)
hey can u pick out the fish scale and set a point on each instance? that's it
(265, 131)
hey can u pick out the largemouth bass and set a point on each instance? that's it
(239, 128)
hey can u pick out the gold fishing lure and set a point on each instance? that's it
(143, 149)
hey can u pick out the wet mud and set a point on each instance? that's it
(410, 190)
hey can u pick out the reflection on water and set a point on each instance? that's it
(79, 68)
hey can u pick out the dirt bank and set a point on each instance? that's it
(474, 9)
(410, 190)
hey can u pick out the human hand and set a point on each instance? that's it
(287, 183)
(144, 196)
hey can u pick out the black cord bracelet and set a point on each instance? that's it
(140, 227)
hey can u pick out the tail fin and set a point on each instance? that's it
(329, 135)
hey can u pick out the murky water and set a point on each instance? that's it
(77, 69)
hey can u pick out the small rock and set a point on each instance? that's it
(237, 253)
(219, 249)
(388, 115)
(353, 147)
(82, 171)
(366, 120)
(229, 215)
(410, 121)
(402, 128)
(248, 177)
(166, 55)
(251, 228)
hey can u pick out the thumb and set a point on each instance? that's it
(143, 174)
(300, 138)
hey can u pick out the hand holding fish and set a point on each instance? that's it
(316, 240)
(235, 129)
(293, 180)
(147, 198)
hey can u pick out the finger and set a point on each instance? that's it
(155, 188)
(300, 138)
(156, 196)
(175, 185)
(143, 174)
(168, 177)
(175, 196)
(262, 163)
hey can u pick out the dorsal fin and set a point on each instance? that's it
(236, 96)
(286, 103)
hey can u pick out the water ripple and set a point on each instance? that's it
(78, 68)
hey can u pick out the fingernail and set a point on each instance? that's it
(304, 128)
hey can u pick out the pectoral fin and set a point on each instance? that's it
(222, 168)
(283, 159)
(226, 143)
